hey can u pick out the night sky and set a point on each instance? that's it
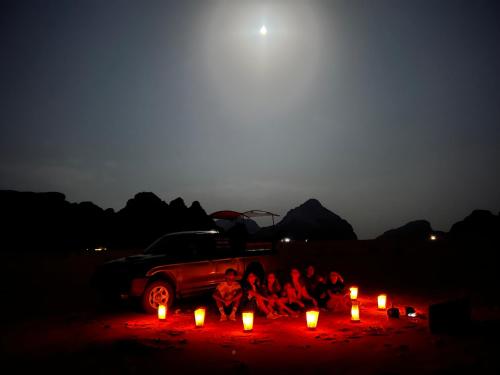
(385, 111)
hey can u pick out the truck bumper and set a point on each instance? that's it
(137, 286)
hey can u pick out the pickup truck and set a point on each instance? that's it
(181, 264)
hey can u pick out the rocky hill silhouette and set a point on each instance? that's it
(312, 221)
(418, 230)
(47, 221)
(479, 226)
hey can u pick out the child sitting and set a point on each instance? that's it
(295, 292)
(272, 291)
(227, 295)
(253, 298)
(334, 295)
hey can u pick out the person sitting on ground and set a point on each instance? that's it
(227, 295)
(313, 282)
(253, 299)
(295, 292)
(334, 294)
(272, 291)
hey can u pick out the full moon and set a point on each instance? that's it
(263, 30)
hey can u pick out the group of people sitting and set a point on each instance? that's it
(273, 300)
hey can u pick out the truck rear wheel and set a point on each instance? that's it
(157, 293)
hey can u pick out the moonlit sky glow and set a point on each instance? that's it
(385, 111)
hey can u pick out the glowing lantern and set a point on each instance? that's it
(354, 292)
(199, 317)
(247, 321)
(355, 312)
(382, 301)
(312, 319)
(162, 312)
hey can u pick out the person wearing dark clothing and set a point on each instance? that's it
(296, 293)
(253, 298)
(272, 291)
(334, 296)
(314, 283)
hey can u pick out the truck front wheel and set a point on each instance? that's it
(157, 293)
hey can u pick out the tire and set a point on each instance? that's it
(156, 293)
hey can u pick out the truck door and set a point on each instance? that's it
(197, 272)
(224, 258)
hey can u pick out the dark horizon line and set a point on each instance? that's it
(282, 216)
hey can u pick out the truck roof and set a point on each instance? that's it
(211, 231)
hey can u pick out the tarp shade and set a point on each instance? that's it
(258, 213)
(226, 215)
(233, 215)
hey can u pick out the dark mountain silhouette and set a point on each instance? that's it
(479, 226)
(47, 221)
(418, 230)
(312, 221)
(146, 217)
(250, 225)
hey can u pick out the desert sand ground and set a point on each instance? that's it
(51, 323)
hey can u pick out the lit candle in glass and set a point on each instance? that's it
(199, 317)
(355, 312)
(354, 292)
(247, 321)
(162, 312)
(312, 319)
(382, 301)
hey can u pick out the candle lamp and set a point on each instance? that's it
(355, 313)
(162, 313)
(382, 301)
(354, 292)
(247, 318)
(312, 319)
(199, 317)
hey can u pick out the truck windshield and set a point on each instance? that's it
(183, 246)
(162, 245)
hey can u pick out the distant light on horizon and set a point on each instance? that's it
(433, 238)
(263, 30)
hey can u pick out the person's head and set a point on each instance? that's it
(230, 275)
(334, 277)
(251, 278)
(310, 271)
(295, 274)
(271, 278)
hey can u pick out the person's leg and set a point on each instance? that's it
(346, 303)
(235, 305)
(220, 306)
(261, 305)
(269, 305)
(330, 304)
(277, 306)
(284, 309)
(335, 303)
(300, 304)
